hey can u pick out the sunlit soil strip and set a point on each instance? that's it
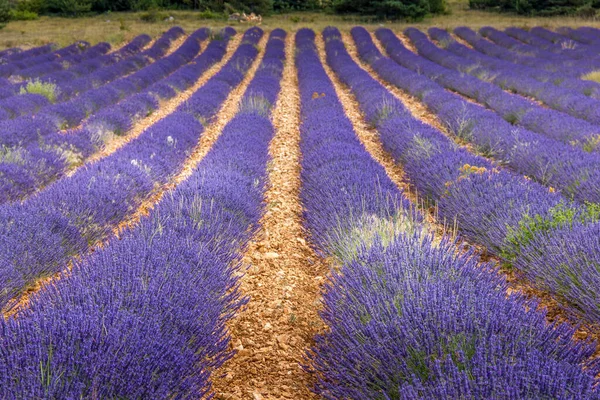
(208, 138)
(272, 333)
(422, 113)
(178, 42)
(165, 108)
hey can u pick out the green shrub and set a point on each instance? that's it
(70, 7)
(4, 11)
(153, 16)
(47, 89)
(17, 15)
(413, 10)
(581, 8)
(208, 14)
(32, 6)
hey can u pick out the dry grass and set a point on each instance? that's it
(592, 76)
(108, 27)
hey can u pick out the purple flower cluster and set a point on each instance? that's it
(77, 212)
(516, 219)
(571, 170)
(407, 317)
(42, 154)
(144, 317)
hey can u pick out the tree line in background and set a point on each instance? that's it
(580, 8)
(388, 9)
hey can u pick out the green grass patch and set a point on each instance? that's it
(592, 76)
(46, 89)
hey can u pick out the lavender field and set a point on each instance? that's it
(261, 214)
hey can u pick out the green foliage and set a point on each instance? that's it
(47, 89)
(153, 15)
(295, 5)
(208, 14)
(558, 216)
(69, 7)
(5, 12)
(581, 8)
(261, 7)
(32, 6)
(17, 15)
(414, 10)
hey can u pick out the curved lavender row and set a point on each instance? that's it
(504, 40)
(84, 68)
(408, 317)
(122, 68)
(79, 211)
(547, 238)
(32, 52)
(21, 131)
(11, 68)
(578, 35)
(571, 170)
(65, 62)
(513, 108)
(541, 43)
(547, 86)
(330, 148)
(163, 293)
(35, 151)
(593, 33)
(5, 54)
(551, 36)
(15, 104)
(565, 49)
(38, 166)
(546, 59)
(75, 147)
(560, 70)
(560, 98)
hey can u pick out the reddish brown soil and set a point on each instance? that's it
(272, 333)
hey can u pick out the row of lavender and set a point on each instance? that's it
(16, 66)
(144, 317)
(504, 74)
(540, 41)
(37, 153)
(562, 66)
(552, 241)
(515, 109)
(572, 171)
(41, 235)
(16, 54)
(408, 317)
(17, 99)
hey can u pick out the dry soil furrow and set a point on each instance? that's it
(165, 108)
(284, 276)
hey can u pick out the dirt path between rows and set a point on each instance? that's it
(272, 333)
(206, 141)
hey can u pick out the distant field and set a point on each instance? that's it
(107, 27)
(384, 211)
